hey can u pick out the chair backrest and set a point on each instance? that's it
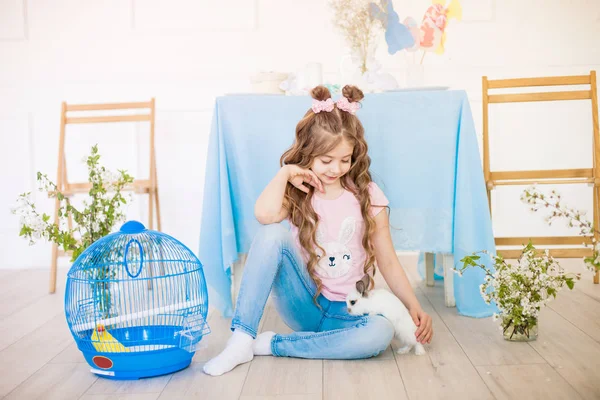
(139, 185)
(149, 186)
(554, 176)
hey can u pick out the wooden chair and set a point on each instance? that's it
(559, 176)
(149, 186)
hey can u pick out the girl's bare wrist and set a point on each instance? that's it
(284, 172)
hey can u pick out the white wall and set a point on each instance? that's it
(186, 52)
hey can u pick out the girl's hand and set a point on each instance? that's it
(297, 176)
(423, 321)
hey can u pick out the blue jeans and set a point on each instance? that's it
(274, 266)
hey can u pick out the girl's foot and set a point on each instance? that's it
(262, 344)
(237, 351)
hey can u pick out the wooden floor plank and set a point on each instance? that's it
(270, 376)
(285, 397)
(193, 383)
(532, 382)
(445, 368)
(141, 386)
(362, 379)
(574, 355)
(56, 381)
(121, 396)
(25, 288)
(480, 338)
(580, 309)
(40, 358)
(26, 356)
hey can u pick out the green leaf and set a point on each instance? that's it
(570, 283)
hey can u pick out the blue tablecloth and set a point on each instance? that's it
(424, 156)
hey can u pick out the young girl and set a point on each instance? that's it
(338, 231)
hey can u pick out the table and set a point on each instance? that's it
(425, 158)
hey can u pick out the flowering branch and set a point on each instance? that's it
(522, 289)
(96, 220)
(575, 218)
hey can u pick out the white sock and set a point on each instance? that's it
(237, 351)
(262, 344)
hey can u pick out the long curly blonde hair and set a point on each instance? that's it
(316, 135)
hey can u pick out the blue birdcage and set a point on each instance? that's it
(136, 303)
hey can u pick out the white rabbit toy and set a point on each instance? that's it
(380, 301)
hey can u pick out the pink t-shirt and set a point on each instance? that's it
(340, 233)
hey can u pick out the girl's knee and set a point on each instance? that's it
(380, 332)
(272, 233)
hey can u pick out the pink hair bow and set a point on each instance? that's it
(345, 105)
(322, 105)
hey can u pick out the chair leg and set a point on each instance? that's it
(150, 210)
(157, 202)
(53, 268)
(54, 262)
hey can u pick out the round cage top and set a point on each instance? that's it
(126, 252)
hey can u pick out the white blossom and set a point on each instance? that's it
(93, 219)
(524, 286)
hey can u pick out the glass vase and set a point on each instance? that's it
(522, 333)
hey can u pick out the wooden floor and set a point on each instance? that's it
(468, 358)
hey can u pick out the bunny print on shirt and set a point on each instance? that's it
(338, 257)
(340, 233)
